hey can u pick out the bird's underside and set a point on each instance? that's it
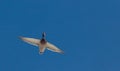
(42, 44)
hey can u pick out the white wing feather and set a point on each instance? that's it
(31, 41)
(53, 48)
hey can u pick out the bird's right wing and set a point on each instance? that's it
(53, 48)
(31, 41)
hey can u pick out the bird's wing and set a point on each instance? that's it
(53, 48)
(31, 41)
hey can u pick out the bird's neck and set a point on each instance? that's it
(43, 37)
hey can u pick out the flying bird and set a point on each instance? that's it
(42, 44)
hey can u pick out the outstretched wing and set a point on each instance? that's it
(53, 48)
(31, 41)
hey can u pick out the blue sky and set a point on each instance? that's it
(88, 31)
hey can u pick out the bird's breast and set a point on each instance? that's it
(43, 41)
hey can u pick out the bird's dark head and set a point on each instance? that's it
(43, 35)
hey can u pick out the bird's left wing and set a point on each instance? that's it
(32, 41)
(53, 48)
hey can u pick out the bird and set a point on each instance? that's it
(42, 44)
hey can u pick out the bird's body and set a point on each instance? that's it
(43, 41)
(42, 44)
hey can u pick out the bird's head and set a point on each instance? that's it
(43, 35)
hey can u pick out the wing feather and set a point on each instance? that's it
(53, 48)
(31, 41)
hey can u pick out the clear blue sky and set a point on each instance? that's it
(87, 30)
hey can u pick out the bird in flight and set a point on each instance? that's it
(42, 44)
